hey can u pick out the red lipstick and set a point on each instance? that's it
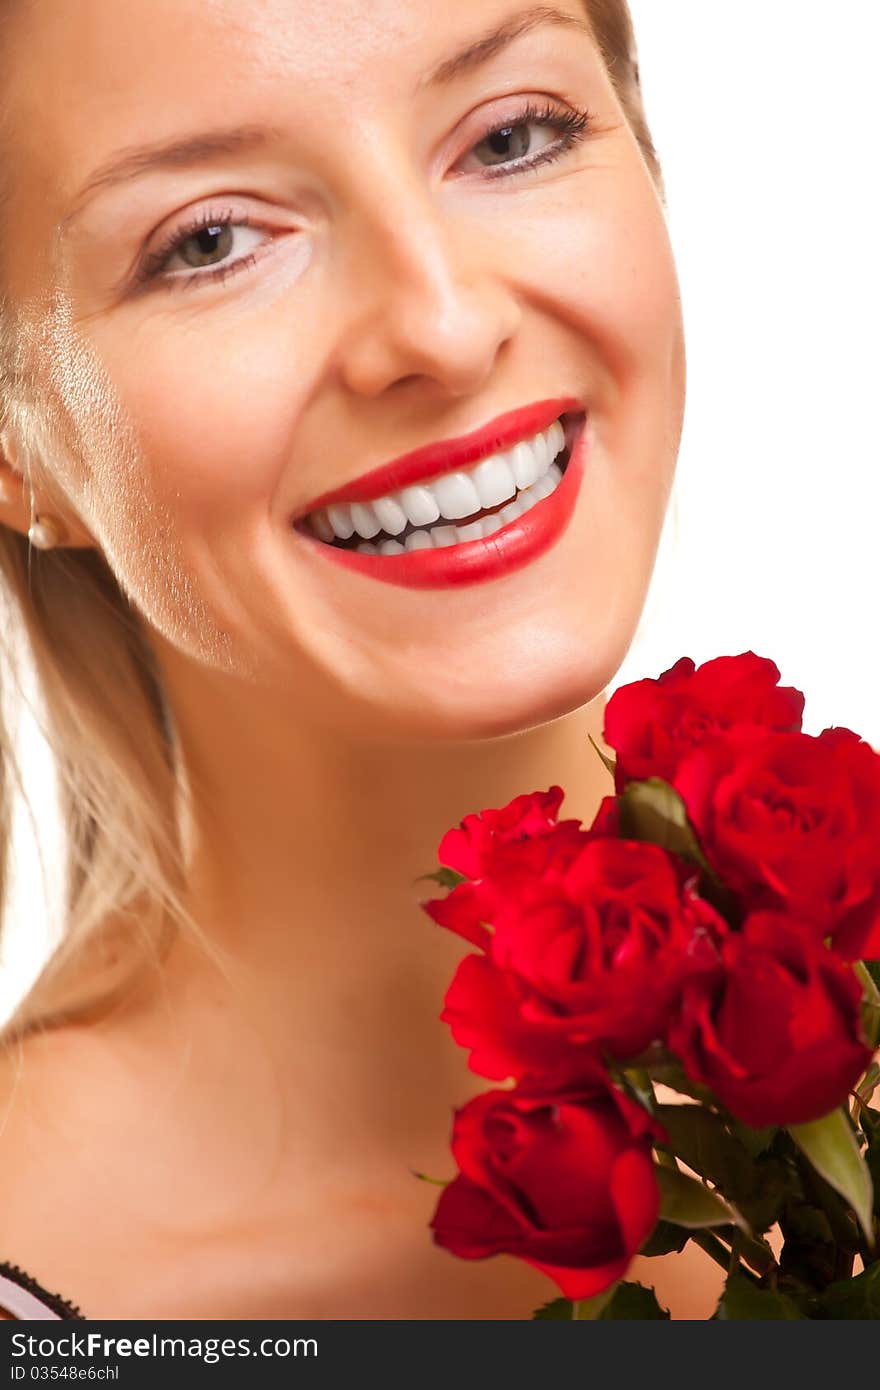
(447, 454)
(473, 562)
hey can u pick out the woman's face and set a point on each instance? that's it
(385, 254)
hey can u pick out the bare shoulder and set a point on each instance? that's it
(23, 1161)
(71, 1153)
(113, 1191)
(45, 1203)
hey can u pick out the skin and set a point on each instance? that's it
(252, 1132)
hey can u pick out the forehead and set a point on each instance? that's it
(72, 64)
(71, 67)
(83, 80)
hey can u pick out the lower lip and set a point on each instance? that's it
(473, 562)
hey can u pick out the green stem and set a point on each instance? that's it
(871, 1000)
(867, 1086)
(757, 1253)
(589, 1309)
(871, 991)
(718, 1251)
(713, 1248)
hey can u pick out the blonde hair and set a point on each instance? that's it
(103, 713)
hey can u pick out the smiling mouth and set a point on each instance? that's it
(457, 506)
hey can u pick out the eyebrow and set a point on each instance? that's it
(480, 50)
(178, 153)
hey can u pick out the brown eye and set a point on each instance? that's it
(536, 135)
(206, 244)
(212, 245)
(511, 142)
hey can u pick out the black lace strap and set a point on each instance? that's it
(59, 1305)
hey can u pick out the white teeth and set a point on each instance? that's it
(512, 510)
(339, 517)
(492, 523)
(556, 441)
(391, 516)
(543, 487)
(456, 495)
(364, 520)
(525, 474)
(473, 532)
(418, 540)
(420, 505)
(323, 526)
(440, 536)
(494, 480)
(525, 464)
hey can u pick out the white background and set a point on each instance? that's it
(765, 117)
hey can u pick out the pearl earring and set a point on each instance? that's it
(45, 532)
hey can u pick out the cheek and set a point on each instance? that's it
(604, 269)
(601, 262)
(136, 502)
(216, 424)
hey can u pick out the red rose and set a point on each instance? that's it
(606, 822)
(588, 961)
(653, 724)
(524, 859)
(564, 1181)
(466, 846)
(792, 823)
(777, 1033)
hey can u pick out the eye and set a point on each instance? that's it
(203, 246)
(512, 146)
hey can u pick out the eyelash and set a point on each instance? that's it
(573, 123)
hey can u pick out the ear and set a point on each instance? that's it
(15, 505)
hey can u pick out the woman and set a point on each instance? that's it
(263, 267)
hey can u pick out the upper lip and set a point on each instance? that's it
(447, 454)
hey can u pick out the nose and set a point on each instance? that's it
(424, 301)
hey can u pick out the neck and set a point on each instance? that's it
(303, 854)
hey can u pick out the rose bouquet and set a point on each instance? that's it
(679, 1004)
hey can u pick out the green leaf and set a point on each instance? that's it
(832, 1148)
(666, 1071)
(872, 1159)
(557, 1310)
(591, 1309)
(867, 972)
(637, 1083)
(633, 1303)
(870, 1003)
(438, 1182)
(652, 810)
(865, 1089)
(610, 764)
(446, 878)
(756, 1141)
(665, 1239)
(857, 1298)
(686, 1202)
(774, 1181)
(744, 1301)
(701, 1139)
(715, 1149)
